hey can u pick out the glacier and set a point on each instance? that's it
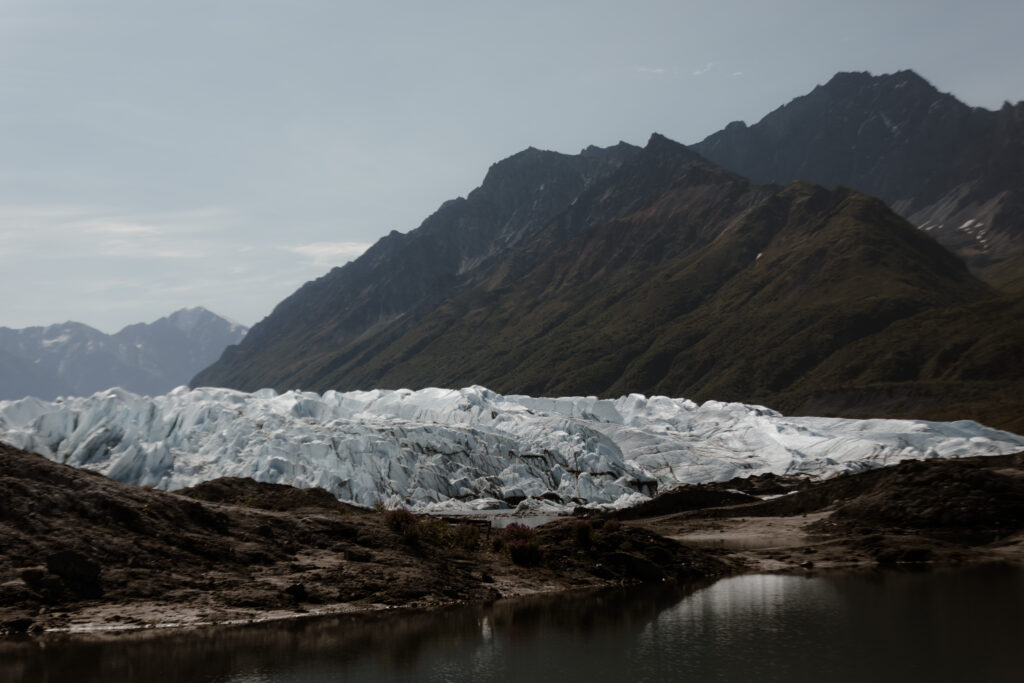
(458, 450)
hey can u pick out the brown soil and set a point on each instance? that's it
(81, 552)
(918, 512)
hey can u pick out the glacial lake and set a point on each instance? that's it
(965, 625)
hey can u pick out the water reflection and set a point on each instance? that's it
(939, 626)
(943, 626)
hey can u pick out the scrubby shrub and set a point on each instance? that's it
(498, 544)
(522, 544)
(611, 537)
(466, 537)
(518, 532)
(583, 534)
(524, 553)
(411, 535)
(399, 520)
(435, 532)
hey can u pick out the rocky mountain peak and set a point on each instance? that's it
(188, 320)
(951, 169)
(74, 359)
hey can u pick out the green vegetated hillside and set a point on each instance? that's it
(671, 275)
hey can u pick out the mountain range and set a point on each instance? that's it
(658, 270)
(955, 171)
(73, 359)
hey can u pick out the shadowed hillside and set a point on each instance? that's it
(671, 275)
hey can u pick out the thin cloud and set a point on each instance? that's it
(150, 249)
(328, 253)
(102, 227)
(650, 71)
(706, 68)
(737, 73)
(119, 267)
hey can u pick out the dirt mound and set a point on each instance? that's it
(767, 484)
(609, 550)
(683, 499)
(983, 491)
(255, 494)
(984, 500)
(921, 513)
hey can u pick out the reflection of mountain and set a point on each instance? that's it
(75, 359)
(955, 171)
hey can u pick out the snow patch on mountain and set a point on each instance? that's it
(147, 358)
(443, 449)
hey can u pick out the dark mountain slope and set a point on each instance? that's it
(404, 275)
(949, 363)
(526, 323)
(703, 320)
(953, 170)
(671, 275)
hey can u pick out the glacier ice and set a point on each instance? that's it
(466, 449)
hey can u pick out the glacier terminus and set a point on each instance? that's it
(446, 450)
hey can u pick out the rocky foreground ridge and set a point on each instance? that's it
(79, 552)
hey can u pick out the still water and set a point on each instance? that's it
(938, 626)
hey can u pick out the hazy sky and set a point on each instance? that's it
(156, 155)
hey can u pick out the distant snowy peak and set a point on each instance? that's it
(74, 359)
(443, 449)
(189, 319)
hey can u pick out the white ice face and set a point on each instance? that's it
(466, 449)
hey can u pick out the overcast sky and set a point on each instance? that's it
(157, 155)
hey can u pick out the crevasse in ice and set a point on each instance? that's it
(465, 449)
